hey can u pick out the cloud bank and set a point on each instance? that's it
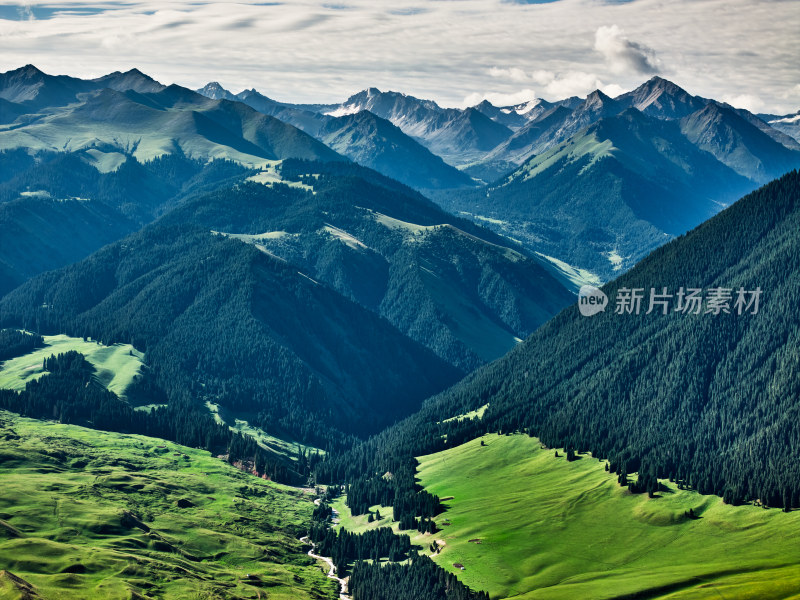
(313, 51)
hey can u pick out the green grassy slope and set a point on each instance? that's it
(89, 514)
(550, 529)
(116, 365)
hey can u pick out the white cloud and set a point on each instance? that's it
(747, 101)
(553, 85)
(25, 12)
(791, 93)
(622, 55)
(514, 74)
(575, 83)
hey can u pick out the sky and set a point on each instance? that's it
(456, 52)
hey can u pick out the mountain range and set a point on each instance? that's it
(615, 178)
(701, 155)
(326, 283)
(354, 293)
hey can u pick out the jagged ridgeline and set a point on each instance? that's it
(330, 304)
(709, 400)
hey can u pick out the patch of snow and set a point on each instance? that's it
(36, 194)
(614, 258)
(524, 109)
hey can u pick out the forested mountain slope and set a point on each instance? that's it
(57, 208)
(275, 299)
(708, 399)
(453, 286)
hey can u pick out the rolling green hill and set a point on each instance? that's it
(88, 514)
(530, 526)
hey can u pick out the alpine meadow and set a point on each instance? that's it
(475, 300)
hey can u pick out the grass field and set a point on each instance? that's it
(89, 514)
(116, 365)
(283, 447)
(550, 529)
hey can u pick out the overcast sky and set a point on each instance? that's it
(456, 52)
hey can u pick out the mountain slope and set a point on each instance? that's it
(60, 208)
(452, 286)
(255, 334)
(42, 233)
(363, 137)
(35, 90)
(376, 143)
(526, 142)
(215, 91)
(788, 124)
(606, 197)
(171, 120)
(738, 143)
(310, 308)
(656, 97)
(455, 135)
(661, 98)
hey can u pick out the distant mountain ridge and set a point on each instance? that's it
(614, 178)
(131, 114)
(535, 144)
